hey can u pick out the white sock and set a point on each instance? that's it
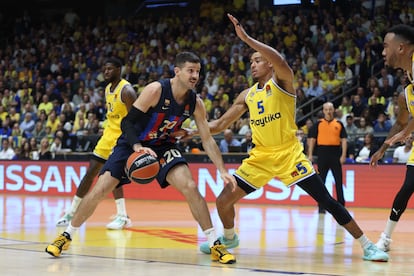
(211, 236)
(120, 207)
(75, 204)
(364, 241)
(71, 230)
(389, 227)
(229, 233)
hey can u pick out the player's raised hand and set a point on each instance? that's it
(241, 33)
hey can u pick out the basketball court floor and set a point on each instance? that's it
(163, 240)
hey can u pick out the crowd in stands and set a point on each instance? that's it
(52, 86)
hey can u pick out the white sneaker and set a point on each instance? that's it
(373, 253)
(384, 243)
(64, 220)
(119, 223)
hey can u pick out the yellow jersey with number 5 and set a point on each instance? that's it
(277, 152)
(272, 115)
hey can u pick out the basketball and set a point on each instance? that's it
(141, 167)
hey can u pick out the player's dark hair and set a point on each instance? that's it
(114, 61)
(405, 32)
(184, 57)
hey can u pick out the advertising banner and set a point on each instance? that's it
(363, 186)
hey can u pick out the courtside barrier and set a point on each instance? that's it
(363, 186)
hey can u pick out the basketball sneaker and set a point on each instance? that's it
(62, 242)
(384, 243)
(119, 223)
(205, 248)
(372, 253)
(64, 220)
(219, 253)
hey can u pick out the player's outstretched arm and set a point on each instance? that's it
(397, 132)
(209, 144)
(237, 109)
(282, 71)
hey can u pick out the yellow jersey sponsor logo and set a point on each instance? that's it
(265, 120)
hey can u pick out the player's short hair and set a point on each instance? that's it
(114, 61)
(184, 57)
(405, 32)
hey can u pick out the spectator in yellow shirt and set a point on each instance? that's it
(3, 113)
(314, 69)
(290, 38)
(52, 121)
(207, 102)
(14, 115)
(237, 63)
(332, 85)
(45, 105)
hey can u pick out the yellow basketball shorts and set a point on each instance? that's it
(288, 163)
(104, 146)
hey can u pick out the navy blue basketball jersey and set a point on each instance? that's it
(167, 116)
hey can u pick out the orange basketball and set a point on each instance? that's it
(142, 167)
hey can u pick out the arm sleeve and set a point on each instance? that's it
(133, 124)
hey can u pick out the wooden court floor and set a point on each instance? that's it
(274, 240)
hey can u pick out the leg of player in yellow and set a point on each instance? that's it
(121, 218)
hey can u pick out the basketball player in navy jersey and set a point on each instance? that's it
(158, 112)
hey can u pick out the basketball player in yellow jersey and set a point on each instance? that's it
(277, 152)
(398, 52)
(119, 96)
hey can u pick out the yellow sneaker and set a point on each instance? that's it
(220, 253)
(62, 242)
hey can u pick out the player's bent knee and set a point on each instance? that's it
(189, 188)
(223, 200)
(99, 192)
(220, 202)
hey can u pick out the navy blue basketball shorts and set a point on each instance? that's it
(168, 155)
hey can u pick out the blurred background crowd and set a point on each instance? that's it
(52, 86)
